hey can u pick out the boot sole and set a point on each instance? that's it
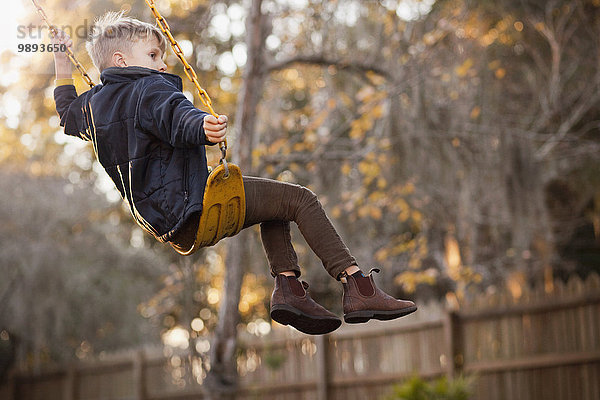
(288, 315)
(359, 317)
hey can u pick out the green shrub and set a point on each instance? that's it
(417, 388)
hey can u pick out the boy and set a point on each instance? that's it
(150, 140)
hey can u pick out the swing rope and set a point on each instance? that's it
(189, 71)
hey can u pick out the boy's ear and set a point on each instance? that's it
(118, 59)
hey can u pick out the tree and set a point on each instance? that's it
(454, 147)
(70, 287)
(223, 374)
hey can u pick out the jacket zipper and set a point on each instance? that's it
(186, 162)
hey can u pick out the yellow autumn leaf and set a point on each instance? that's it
(414, 262)
(423, 250)
(375, 79)
(277, 145)
(257, 154)
(409, 188)
(494, 65)
(336, 212)
(407, 280)
(369, 169)
(404, 215)
(376, 196)
(346, 168)
(381, 255)
(365, 93)
(346, 100)
(410, 279)
(464, 68)
(518, 26)
(401, 204)
(356, 132)
(399, 249)
(430, 38)
(318, 120)
(363, 211)
(311, 137)
(298, 147)
(375, 213)
(359, 127)
(417, 217)
(377, 111)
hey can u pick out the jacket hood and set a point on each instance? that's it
(128, 74)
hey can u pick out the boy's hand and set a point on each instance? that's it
(62, 64)
(62, 38)
(215, 129)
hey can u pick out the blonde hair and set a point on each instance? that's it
(115, 32)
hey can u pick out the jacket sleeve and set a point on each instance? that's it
(164, 111)
(70, 109)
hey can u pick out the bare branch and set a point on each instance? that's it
(324, 61)
(585, 103)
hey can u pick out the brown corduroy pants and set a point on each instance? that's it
(273, 205)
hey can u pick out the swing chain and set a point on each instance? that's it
(189, 71)
(68, 51)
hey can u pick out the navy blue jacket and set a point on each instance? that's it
(148, 137)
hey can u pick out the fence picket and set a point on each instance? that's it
(531, 344)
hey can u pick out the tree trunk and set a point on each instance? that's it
(531, 232)
(221, 382)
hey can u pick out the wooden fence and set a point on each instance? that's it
(528, 345)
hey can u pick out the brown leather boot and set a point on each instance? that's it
(291, 305)
(364, 301)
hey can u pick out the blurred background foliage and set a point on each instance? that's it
(454, 144)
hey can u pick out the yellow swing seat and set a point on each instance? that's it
(223, 208)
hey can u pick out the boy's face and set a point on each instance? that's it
(143, 53)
